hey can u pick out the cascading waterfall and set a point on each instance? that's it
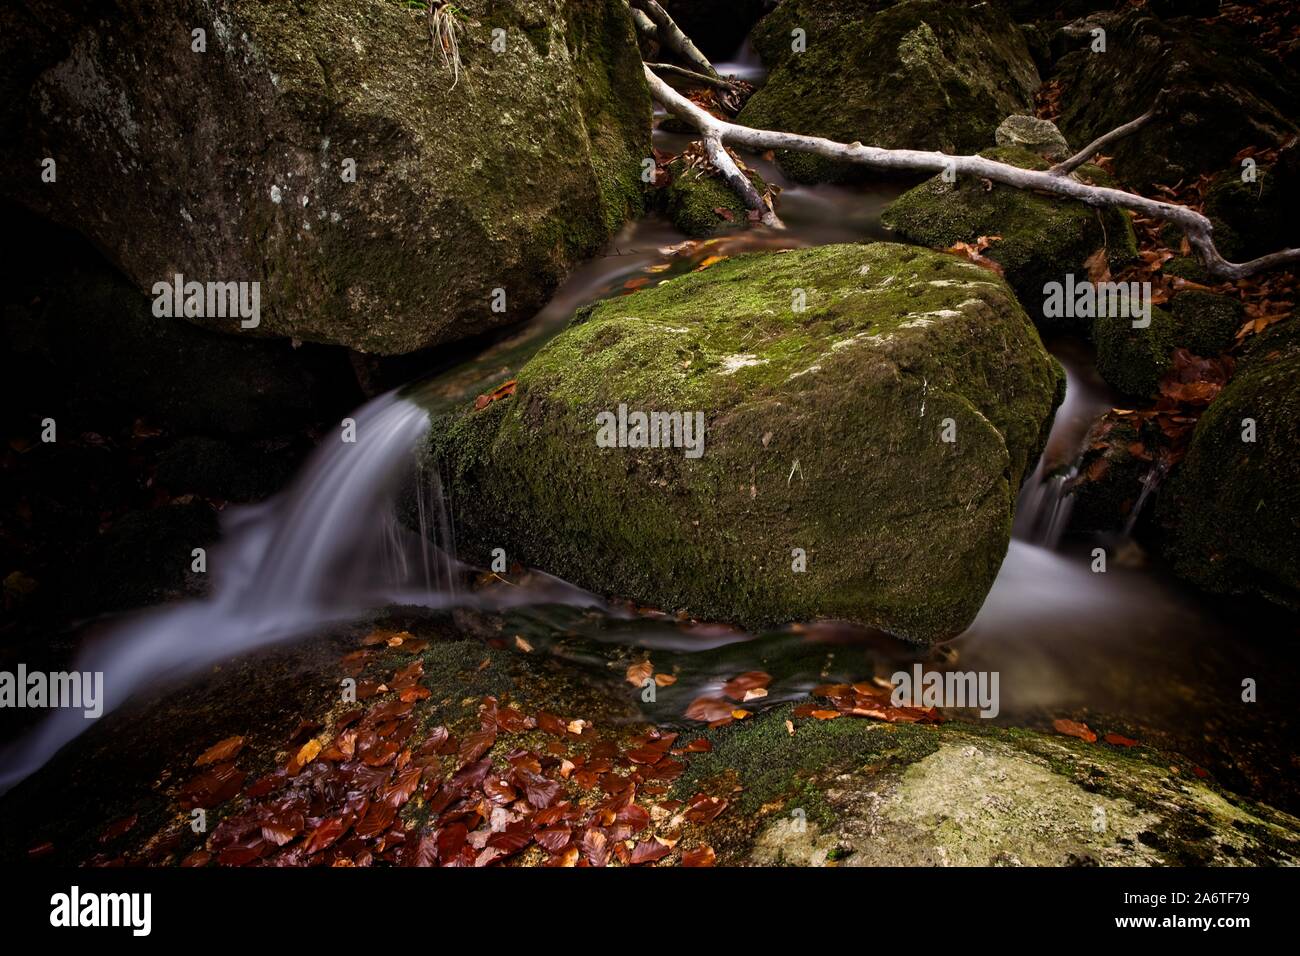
(1043, 508)
(326, 550)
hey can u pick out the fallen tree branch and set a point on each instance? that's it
(1198, 228)
(740, 183)
(670, 35)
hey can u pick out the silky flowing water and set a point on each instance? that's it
(1130, 646)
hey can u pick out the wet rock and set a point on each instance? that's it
(920, 74)
(859, 793)
(230, 164)
(218, 469)
(1224, 95)
(1233, 504)
(824, 431)
(86, 324)
(1038, 136)
(1040, 239)
(1112, 470)
(1134, 360)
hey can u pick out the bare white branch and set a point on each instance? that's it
(1197, 227)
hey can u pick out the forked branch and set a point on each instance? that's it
(1198, 229)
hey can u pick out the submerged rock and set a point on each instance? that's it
(1223, 96)
(879, 436)
(236, 163)
(919, 74)
(1234, 501)
(1039, 239)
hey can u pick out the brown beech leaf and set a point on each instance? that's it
(738, 687)
(221, 751)
(639, 673)
(649, 851)
(699, 856)
(708, 709)
(595, 847)
(305, 755)
(1074, 729)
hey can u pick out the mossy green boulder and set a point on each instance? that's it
(920, 74)
(1134, 360)
(699, 202)
(328, 151)
(883, 431)
(1233, 504)
(1260, 213)
(1041, 239)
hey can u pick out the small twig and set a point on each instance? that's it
(716, 81)
(1068, 166)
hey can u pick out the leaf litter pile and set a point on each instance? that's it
(380, 782)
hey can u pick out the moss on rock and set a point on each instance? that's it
(1133, 360)
(694, 196)
(1254, 218)
(1233, 505)
(862, 793)
(825, 432)
(1040, 238)
(919, 74)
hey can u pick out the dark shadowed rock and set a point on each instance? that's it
(1224, 95)
(227, 165)
(919, 74)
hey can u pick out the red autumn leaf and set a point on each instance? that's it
(708, 709)
(1074, 729)
(700, 856)
(737, 687)
(213, 787)
(649, 851)
(553, 839)
(117, 828)
(702, 808)
(324, 835)
(595, 847)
